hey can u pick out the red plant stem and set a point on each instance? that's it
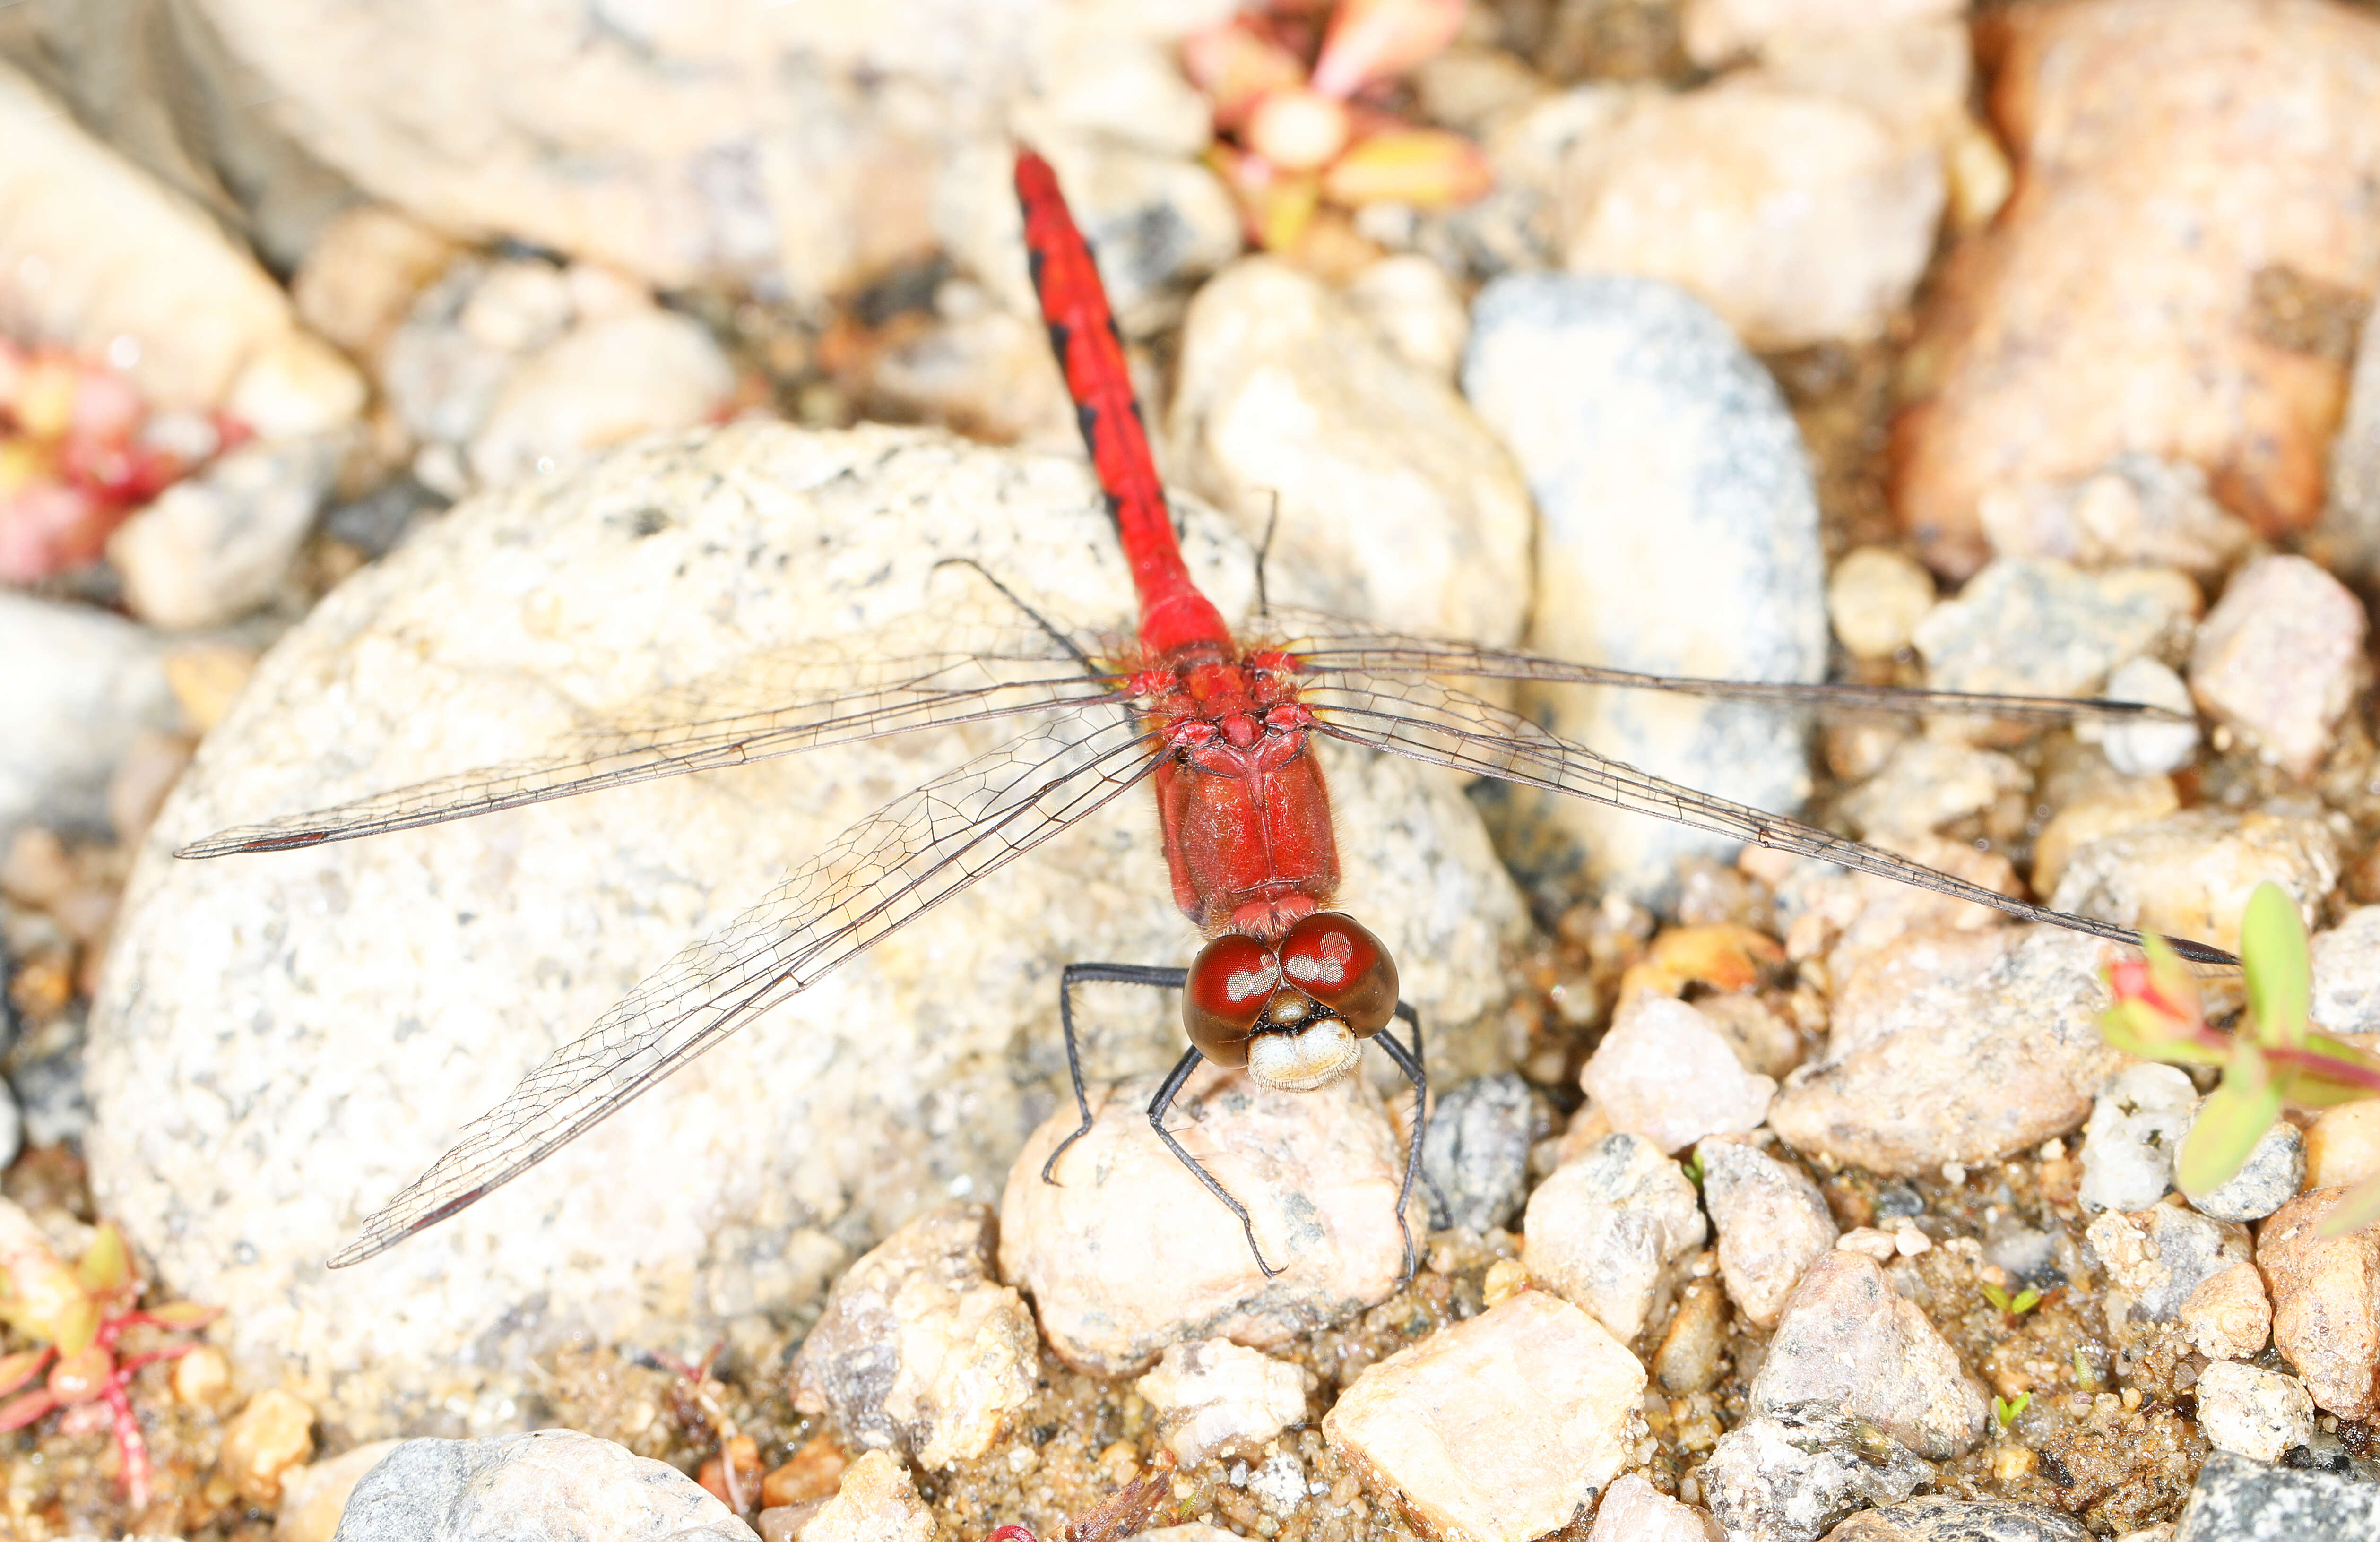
(2307, 1060)
(128, 1443)
(2293, 1058)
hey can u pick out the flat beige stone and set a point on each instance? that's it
(1497, 1429)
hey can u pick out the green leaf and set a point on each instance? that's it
(2230, 1123)
(2084, 1377)
(22, 1366)
(2357, 1208)
(2014, 1306)
(184, 1317)
(75, 1325)
(2280, 974)
(2006, 1410)
(18, 1412)
(106, 1264)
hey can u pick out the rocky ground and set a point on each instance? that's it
(350, 437)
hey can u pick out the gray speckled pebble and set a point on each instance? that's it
(1787, 1476)
(1937, 1518)
(2235, 1499)
(1678, 533)
(552, 1486)
(79, 683)
(2046, 628)
(2266, 1181)
(2347, 973)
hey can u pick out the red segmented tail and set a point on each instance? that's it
(1173, 614)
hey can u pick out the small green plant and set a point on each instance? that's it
(1694, 1167)
(2009, 1410)
(2084, 1377)
(2014, 1306)
(2277, 1057)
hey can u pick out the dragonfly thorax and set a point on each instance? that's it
(1245, 816)
(1294, 1011)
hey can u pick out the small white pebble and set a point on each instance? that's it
(1954, 1173)
(2052, 1149)
(1909, 1240)
(1867, 1240)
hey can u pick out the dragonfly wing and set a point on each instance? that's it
(1436, 724)
(876, 877)
(779, 703)
(1328, 645)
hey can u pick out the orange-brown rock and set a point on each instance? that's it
(2191, 228)
(2325, 1301)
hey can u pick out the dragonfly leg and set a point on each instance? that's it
(1409, 1062)
(1078, 973)
(1157, 1107)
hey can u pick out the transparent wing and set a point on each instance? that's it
(876, 877)
(1429, 721)
(779, 703)
(1328, 645)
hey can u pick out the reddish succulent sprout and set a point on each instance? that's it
(83, 1312)
(729, 1487)
(73, 461)
(1306, 136)
(1013, 1534)
(95, 1377)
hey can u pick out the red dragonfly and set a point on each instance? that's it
(1221, 729)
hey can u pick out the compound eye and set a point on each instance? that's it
(1345, 967)
(1231, 980)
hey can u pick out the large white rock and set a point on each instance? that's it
(1797, 215)
(102, 258)
(284, 1041)
(551, 1483)
(1392, 498)
(1679, 535)
(814, 143)
(1125, 1253)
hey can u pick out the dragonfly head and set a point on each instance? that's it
(1295, 1011)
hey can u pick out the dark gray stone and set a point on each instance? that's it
(47, 1088)
(1477, 1153)
(2235, 1499)
(552, 1485)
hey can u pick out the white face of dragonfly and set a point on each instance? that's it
(1306, 1059)
(1294, 1009)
